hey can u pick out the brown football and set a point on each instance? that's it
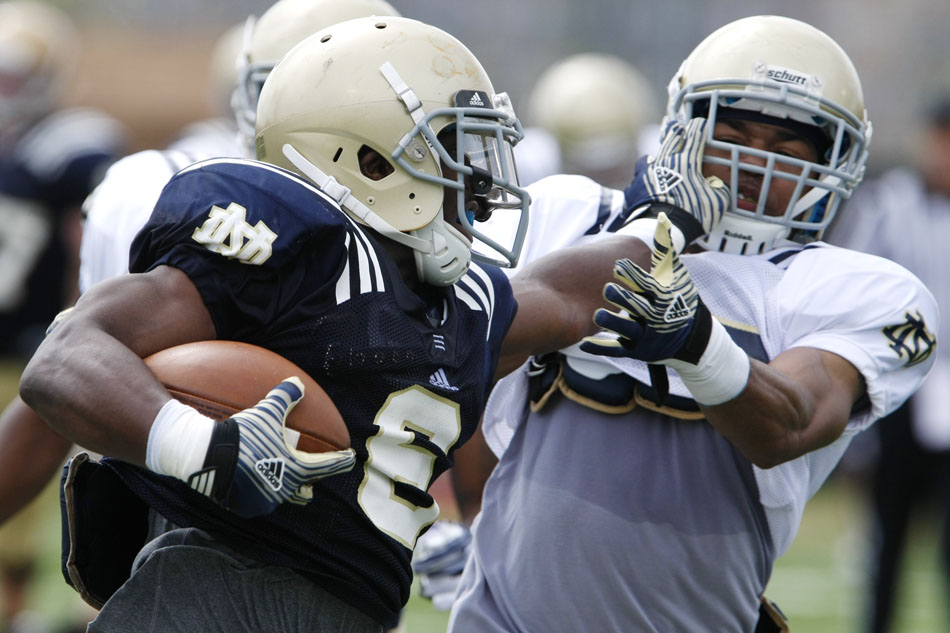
(220, 378)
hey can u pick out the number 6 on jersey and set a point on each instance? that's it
(393, 457)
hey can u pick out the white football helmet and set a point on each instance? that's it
(781, 71)
(596, 106)
(280, 28)
(38, 49)
(420, 99)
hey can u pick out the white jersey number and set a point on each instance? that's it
(394, 458)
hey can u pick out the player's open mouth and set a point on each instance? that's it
(746, 202)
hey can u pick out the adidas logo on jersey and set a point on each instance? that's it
(440, 380)
(272, 471)
(677, 310)
(476, 100)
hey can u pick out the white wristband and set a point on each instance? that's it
(645, 228)
(722, 372)
(178, 440)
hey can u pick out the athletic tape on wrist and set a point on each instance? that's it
(178, 440)
(722, 372)
(645, 228)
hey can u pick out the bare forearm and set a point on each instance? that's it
(31, 454)
(94, 391)
(797, 404)
(557, 295)
(88, 379)
(766, 420)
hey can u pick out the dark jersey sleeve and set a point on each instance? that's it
(493, 284)
(255, 240)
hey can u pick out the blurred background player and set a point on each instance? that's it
(121, 205)
(591, 114)
(51, 157)
(904, 215)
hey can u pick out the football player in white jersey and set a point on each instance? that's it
(653, 488)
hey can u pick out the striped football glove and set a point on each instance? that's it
(249, 467)
(672, 182)
(661, 316)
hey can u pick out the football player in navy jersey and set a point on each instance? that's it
(122, 203)
(354, 251)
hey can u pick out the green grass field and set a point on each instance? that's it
(819, 583)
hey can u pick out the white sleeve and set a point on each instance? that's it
(867, 309)
(563, 209)
(880, 318)
(115, 212)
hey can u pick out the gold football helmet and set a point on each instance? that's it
(781, 71)
(279, 29)
(417, 97)
(596, 106)
(38, 50)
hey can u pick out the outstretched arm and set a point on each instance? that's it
(557, 294)
(773, 412)
(795, 404)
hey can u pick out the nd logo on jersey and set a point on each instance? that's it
(911, 339)
(227, 232)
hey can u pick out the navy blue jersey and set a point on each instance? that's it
(45, 174)
(279, 265)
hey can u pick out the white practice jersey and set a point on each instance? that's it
(637, 514)
(866, 309)
(116, 210)
(897, 217)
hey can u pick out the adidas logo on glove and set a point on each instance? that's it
(664, 178)
(272, 471)
(677, 311)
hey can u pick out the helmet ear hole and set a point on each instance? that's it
(372, 163)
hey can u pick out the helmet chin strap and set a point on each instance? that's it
(329, 185)
(451, 256)
(441, 252)
(814, 196)
(743, 236)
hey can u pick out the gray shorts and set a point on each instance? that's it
(183, 581)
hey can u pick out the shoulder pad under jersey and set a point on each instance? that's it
(245, 210)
